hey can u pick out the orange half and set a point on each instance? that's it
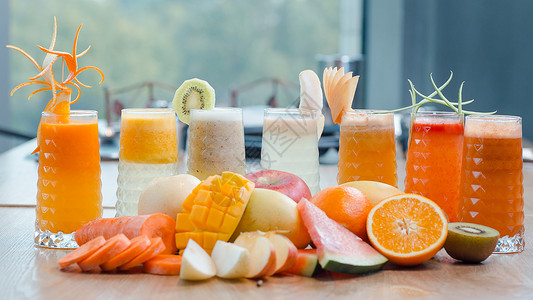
(408, 229)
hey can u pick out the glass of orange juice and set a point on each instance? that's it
(434, 158)
(491, 179)
(69, 186)
(148, 149)
(367, 147)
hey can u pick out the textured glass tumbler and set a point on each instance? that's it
(434, 155)
(290, 144)
(148, 149)
(69, 186)
(216, 142)
(367, 147)
(491, 178)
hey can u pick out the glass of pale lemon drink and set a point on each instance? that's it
(290, 143)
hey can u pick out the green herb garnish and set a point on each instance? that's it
(455, 106)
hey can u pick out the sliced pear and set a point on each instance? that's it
(231, 261)
(345, 99)
(196, 264)
(286, 252)
(325, 80)
(336, 77)
(262, 254)
(337, 90)
(311, 96)
(320, 122)
(310, 91)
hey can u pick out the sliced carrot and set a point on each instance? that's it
(157, 247)
(112, 247)
(154, 225)
(82, 252)
(163, 264)
(137, 246)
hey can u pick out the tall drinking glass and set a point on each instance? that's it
(290, 144)
(367, 147)
(434, 158)
(216, 142)
(491, 178)
(69, 187)
(148, 149)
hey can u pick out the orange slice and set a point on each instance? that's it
(408, 229)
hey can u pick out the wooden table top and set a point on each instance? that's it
(30, 272)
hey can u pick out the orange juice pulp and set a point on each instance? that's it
(69, 186)
(148, 138)
(434, 161)
(367, 151)
(491, 189)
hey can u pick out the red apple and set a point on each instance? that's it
(286, 183)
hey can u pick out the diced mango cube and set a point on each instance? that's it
(214, 219)
(188, 203)
(183, 224)
(227, 225)
(213, 210)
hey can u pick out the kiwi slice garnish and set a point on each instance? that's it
(471, 243)
(193, 94)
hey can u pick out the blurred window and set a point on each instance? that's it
(227, 43)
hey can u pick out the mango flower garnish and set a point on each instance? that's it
(61, 91)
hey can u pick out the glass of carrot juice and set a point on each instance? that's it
(367, 147)
(148, 149)
(69, 186)
(491, 178)
(434, 158)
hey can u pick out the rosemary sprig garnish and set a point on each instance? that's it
(455, 106)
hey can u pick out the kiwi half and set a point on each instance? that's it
(193, 94)
(471, 243)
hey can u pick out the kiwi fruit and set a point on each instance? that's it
(193, 94)
(471, 243)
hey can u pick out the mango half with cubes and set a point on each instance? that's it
(213, 210)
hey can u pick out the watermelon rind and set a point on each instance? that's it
(338, 249)
(347, 265)
(307, 263)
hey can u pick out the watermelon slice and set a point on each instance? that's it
(306, 263)
(338, 249)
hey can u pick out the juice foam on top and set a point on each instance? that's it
(137, 116)
(439, 120)
(507, 128)
(222, 115)
(368, 120)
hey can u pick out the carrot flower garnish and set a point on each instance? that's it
(61, 90)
